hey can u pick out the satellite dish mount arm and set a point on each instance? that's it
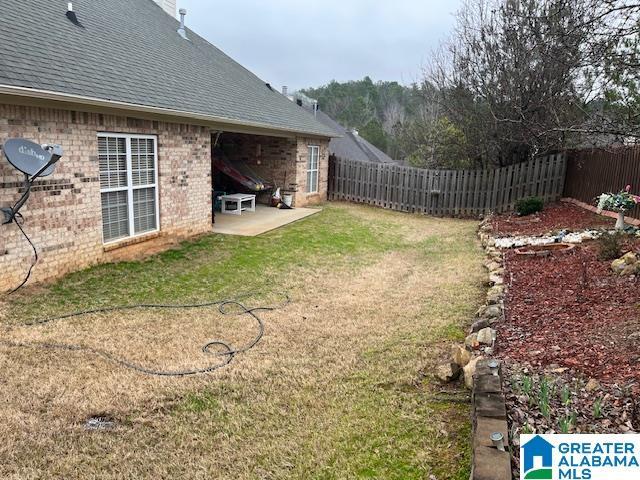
(11, 212)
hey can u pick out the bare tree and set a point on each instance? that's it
(523, 77)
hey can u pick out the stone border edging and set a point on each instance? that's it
(489, 417)
(489, 412)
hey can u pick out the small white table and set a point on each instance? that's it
(238, 199)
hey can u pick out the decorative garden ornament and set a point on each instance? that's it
(620, 203)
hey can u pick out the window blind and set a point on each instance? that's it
(128, 185)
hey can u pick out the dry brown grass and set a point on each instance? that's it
(335, 389)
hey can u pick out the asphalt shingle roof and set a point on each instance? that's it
(129, 51)
(351, 145)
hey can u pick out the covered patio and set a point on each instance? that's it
(264, 219)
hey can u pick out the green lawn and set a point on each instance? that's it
(340, 386)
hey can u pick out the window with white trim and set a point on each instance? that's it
(128, 185)
(313, 163)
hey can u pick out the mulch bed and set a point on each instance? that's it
(571, 333)
(570, 310)
(572, 328)
(554, 217)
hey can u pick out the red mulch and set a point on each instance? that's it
(554, 217)
(572, 311)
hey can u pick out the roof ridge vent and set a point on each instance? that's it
(71, 15)
(182, 31)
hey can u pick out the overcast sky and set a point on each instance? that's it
(309, 43)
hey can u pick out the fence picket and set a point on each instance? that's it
(458, 192)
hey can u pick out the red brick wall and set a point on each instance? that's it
(63, 215)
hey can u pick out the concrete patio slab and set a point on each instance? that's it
(264, 219)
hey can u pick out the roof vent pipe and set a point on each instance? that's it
(71, 15)
(285, 90)
(182, 31)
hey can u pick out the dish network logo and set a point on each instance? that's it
(24, 150)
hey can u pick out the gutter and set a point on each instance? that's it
(114, 104)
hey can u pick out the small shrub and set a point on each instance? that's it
(529, 205)
(610, 246)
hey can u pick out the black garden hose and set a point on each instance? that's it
(225, 355)
(18, 219)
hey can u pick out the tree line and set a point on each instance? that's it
(516, 79)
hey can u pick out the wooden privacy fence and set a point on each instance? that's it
(446, 192)
(592, 172)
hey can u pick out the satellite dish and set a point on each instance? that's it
(34, 161)
(28, 157)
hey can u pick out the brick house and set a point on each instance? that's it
(136, 107)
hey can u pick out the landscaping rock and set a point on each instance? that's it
(472, 341)
(494, 298)
(487, 383)
(495, 294)
(487, 336)
(469, 370)
(485, 427)
(592, 385)
(479, 325)
(493, 259)
(493, 321)
(491, 311)
(447, 372)
(460, 355)
(490, 463)
(628, 264)
(573, 238)
(494, 253)
(496, 279)
(618, 265)
(492, 266)
(490, 405)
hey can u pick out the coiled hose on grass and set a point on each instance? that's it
(225, 354)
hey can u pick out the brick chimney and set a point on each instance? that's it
(168, 6)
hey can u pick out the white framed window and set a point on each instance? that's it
(128, 185)
(313, 163)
